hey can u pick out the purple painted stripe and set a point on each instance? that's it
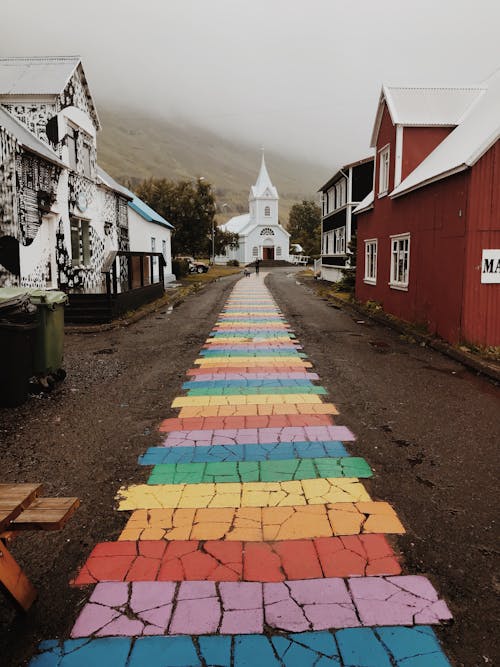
(245, 436)
(207, 607)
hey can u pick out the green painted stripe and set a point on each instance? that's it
(259, 471)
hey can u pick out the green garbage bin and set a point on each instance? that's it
(18, 328)
(49, 343)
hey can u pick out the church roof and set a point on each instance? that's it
(236, 224)
(264, 186)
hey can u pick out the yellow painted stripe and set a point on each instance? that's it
(253, 361)
(257, 410)
(246, 494)
(249, 399)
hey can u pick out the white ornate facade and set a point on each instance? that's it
(59, 216)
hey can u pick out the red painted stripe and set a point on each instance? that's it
(352, 555)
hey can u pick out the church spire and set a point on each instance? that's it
(264, 182)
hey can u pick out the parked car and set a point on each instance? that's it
(194, 265)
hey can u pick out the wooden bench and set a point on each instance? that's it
(21, 509)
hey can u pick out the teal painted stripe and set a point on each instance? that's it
(259, 471)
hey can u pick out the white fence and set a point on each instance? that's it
(299, 259)
(317, 267)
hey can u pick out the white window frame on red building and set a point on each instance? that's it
(371, 252)
(384, 161)
(400, 261)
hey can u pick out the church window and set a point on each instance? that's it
(255, 251)
(278, 251)
(267, 231)
(267, 211)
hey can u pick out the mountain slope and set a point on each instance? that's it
(133, 147)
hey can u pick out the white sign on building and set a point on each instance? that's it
(490, 266)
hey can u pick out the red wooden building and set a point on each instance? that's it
(429, 232)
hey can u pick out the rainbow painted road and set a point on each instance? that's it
(254, 539)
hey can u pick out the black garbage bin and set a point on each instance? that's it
(18, 325)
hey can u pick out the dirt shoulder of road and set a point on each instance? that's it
(84, 439)
(475, 359)
(429, 429)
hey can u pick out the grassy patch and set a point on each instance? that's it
(212, 274)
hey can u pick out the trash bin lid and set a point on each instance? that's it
(13, 297)
(49, 297)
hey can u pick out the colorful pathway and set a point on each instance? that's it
(254, 540)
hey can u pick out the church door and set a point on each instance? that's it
(268, 253)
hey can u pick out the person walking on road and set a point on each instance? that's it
(257, 263)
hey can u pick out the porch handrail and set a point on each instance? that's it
(110, 272)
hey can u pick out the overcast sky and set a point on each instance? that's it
(299, 76)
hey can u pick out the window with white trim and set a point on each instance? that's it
(327, 243)
(278, 251)
(371, 261)
(80, 242)
(330, 200)
(340, 193)
(400, 261)
(267, 211)
(383, 170)
(255, 251)
(339, 241)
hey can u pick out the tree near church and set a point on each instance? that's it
(225, 240)
(304, 226)
(189, 206)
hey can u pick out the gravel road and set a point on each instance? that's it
(429, 429)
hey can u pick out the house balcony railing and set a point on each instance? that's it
(126, 270)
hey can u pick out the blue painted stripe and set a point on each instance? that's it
(267, 382)
(390, 646)
(255, 391)
(252, 452)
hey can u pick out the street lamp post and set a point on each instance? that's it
(221, 208)
(213, 241)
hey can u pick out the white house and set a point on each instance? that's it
(64, 222)
(58, 221)
(148, 230)
(259, 232)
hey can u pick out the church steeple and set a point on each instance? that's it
(263, 187)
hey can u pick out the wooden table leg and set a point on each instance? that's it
(14, 580)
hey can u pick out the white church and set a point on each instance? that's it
(260, 234)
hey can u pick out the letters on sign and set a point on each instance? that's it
(490, 266)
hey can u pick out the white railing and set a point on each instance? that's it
(317, 267)
(299, 259)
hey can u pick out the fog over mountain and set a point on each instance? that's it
(301, 77)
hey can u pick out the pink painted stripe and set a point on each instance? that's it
(246, 436)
